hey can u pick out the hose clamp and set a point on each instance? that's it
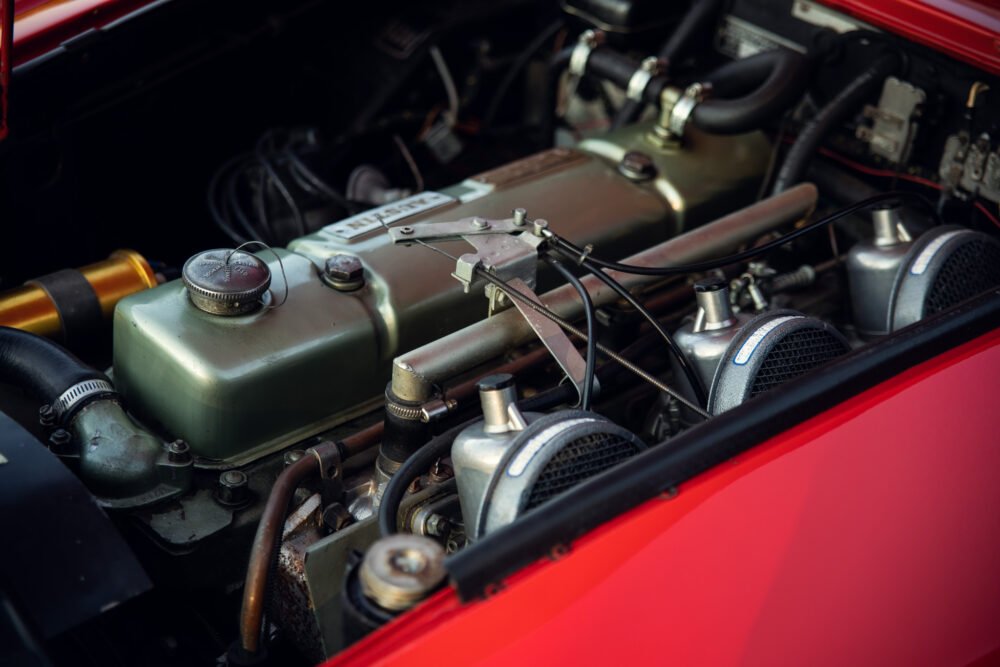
(650, 67)
(682, 110)
(589, 40)
(78, 393)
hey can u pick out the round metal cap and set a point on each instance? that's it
(226, 282)
(400, 570)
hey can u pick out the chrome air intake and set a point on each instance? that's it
(552, 454)
(770, 350)
(946, 266)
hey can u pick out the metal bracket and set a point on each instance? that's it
(554, 339)
(507, 248)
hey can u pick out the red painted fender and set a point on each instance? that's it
(869, 534)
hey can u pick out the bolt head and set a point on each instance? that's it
(345, 268)
(233, 479)
(46, 415)
(60, 438)
(233, 487)
(178, 451)
(637, 166)
(480, 223)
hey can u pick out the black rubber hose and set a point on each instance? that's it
(830, 116)
(837, 184)
(746, 94)
(40, 367)
(691, 25)
(557, 64)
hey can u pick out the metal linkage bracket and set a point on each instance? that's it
(508, 249)
(501, 248)
(554, 339)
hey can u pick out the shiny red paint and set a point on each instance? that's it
(5, 48)
(867, 535)
(964, 29)
(43, 26)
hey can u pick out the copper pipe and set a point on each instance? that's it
(30, 308)
(272, 520)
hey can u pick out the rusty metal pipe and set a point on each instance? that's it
(415, 373)
(269, 530)
(276, 509)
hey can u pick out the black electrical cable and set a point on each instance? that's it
(500, 92)
(720, 262)
(689, 372)
(279, 183)
(588, 309)
(615, 356)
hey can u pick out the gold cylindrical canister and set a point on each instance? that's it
(30, 307)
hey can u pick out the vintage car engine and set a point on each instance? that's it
(369, 371)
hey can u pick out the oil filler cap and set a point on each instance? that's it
(226, 281)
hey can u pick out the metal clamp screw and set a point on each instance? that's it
(589, 40)
(684, 107)
(650, 67)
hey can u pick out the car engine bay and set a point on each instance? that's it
(361, 293)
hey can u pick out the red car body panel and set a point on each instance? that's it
(964, 29)
(43, 26)
(6, 24)
(869, 534)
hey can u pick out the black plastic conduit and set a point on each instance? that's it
(830, 116)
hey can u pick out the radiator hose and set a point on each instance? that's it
(748, 93)
(744, 94)
(696, 18)
(42, 368)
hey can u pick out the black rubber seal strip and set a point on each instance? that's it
(77, 304)
(484, 564)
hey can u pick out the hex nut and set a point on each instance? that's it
(344, 272)
(178, 451)
(233, 487)
(637, 166)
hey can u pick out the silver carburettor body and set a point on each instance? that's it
(871, 271)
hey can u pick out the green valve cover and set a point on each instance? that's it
(238, 385)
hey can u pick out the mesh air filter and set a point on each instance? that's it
(946, 266)
(769, 351)
(551, 456)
